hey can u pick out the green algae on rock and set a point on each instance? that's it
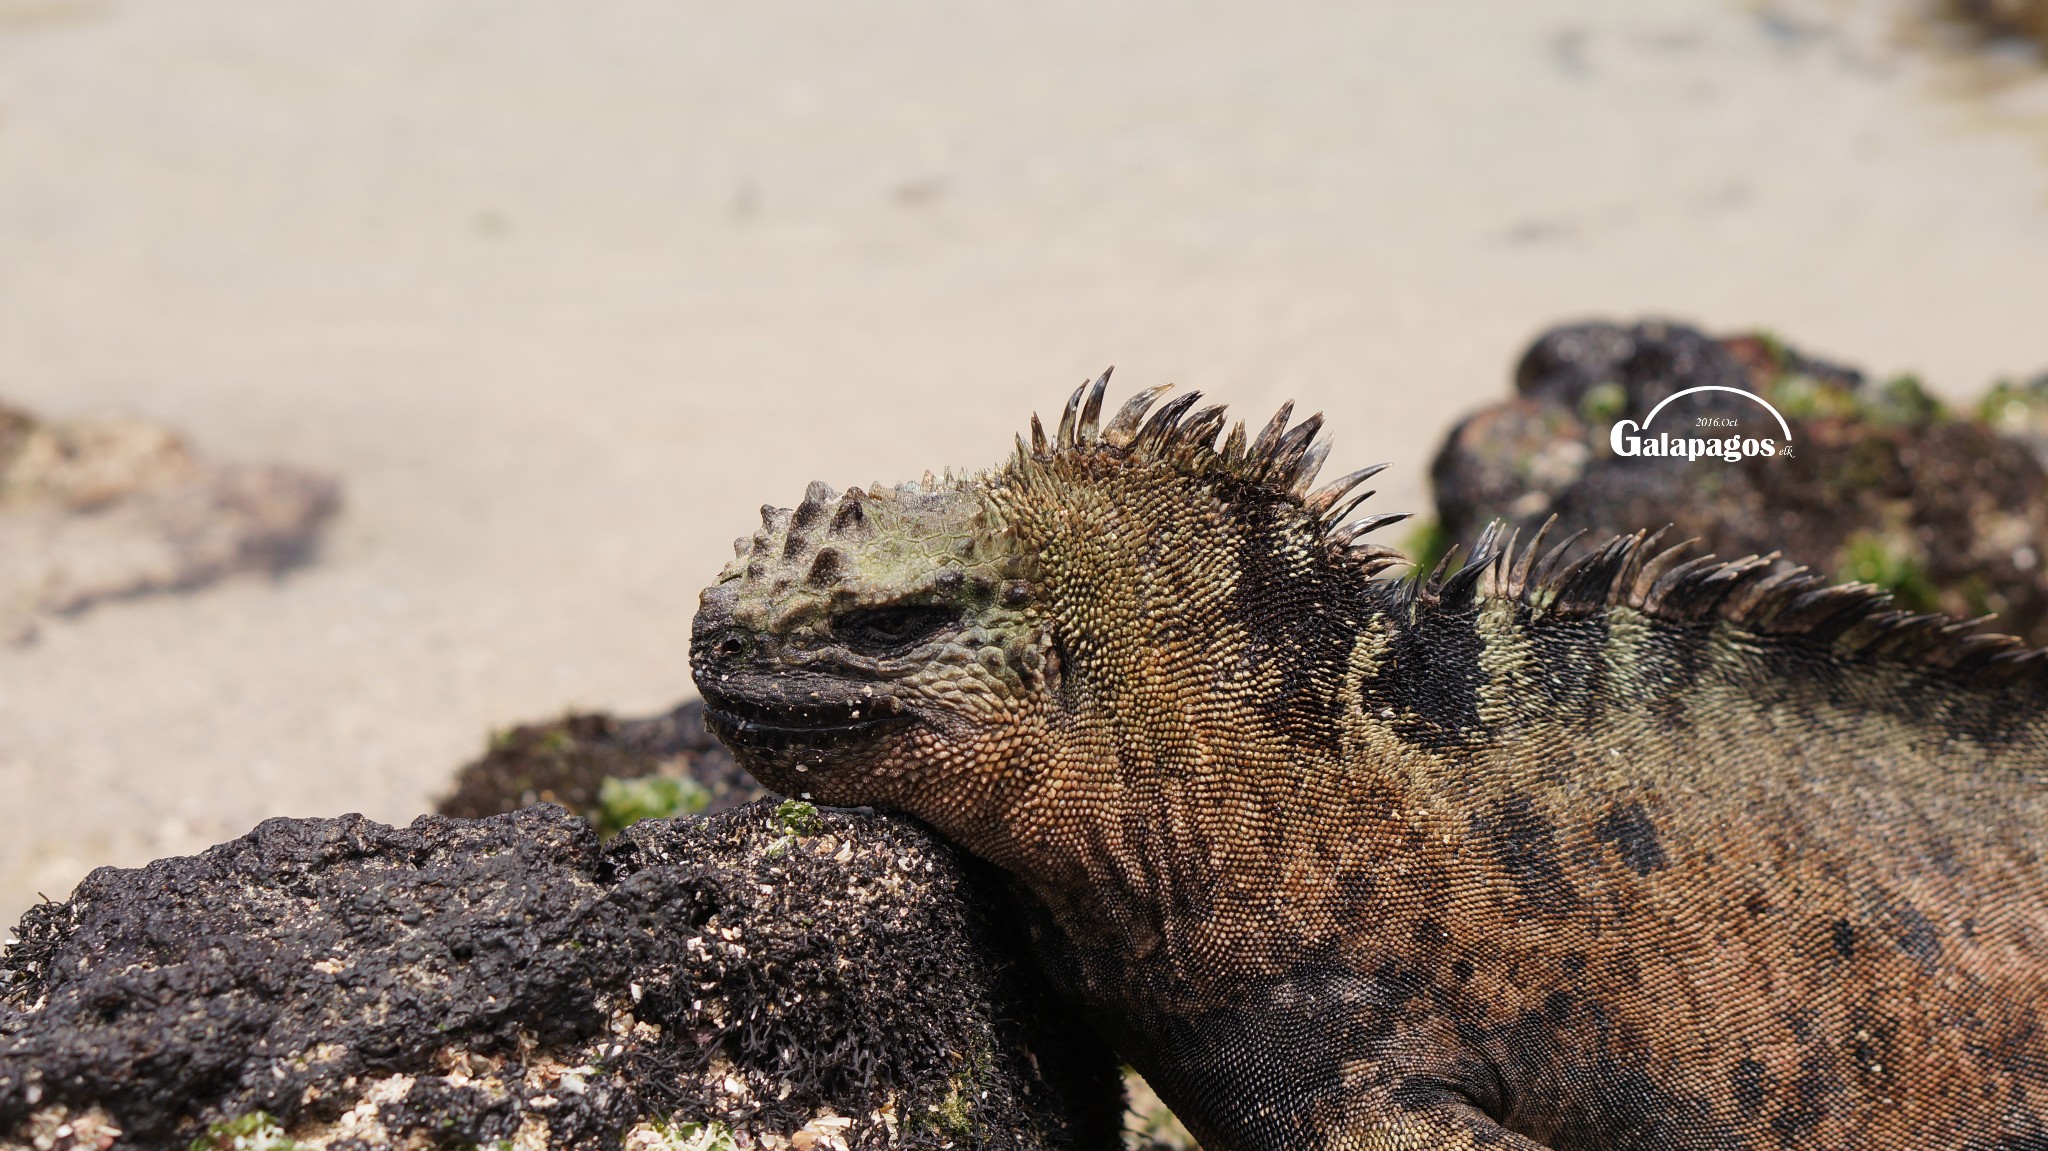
(609, 770)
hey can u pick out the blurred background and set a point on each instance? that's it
(548, 300)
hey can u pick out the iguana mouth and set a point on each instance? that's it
(755, 722)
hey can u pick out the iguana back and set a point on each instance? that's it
(1620, 852)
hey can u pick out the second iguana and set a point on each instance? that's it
(1622, 851)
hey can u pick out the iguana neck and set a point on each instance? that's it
(1168, 790)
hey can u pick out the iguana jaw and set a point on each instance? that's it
(797, 719)
(758, 712)
(823, 749)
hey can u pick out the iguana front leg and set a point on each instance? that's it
(1372, 1122)
(1280, 1071)
(1444, 1126)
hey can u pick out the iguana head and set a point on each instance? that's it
(978, 650)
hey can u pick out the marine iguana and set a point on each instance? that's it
(1622, 851)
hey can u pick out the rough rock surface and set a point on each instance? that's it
(580, 760)
(96, 509)
(1947, 511)
(569, 761)
(765, 978)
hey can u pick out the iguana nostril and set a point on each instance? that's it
(732, 646)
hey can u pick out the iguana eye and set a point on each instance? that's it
(880, 630)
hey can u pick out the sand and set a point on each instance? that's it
(564, 294)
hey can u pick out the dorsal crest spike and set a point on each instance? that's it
(1091, 412)
(1157, 427)
(1640, 547)
(1305, 474)
(1385, 519)
(1199, 430)
(1159, 430)
(1124, 427)
(1767, 596)
(1500, 581)
(1070, 417)
(1460, 589)
(1324, 498)
(1756, 593)
(1262, 448)
(1523, 568)
(1373, 565)
(1443, 567)
(1342, 536)
(1582, 585)
(1654, 568)
(1300, 435)
(1487, 551)
(1234, 444)
(1627, 562)
(1552, 560)
(1343, 511)
(1743, 599)
(1288, 454)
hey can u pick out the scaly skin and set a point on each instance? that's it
(1621, 853)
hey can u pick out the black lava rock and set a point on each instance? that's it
(797, 978)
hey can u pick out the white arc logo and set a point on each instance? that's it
(1626, 441)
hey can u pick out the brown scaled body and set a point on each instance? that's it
(1622, 853)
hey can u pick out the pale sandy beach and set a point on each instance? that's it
(563, 294)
